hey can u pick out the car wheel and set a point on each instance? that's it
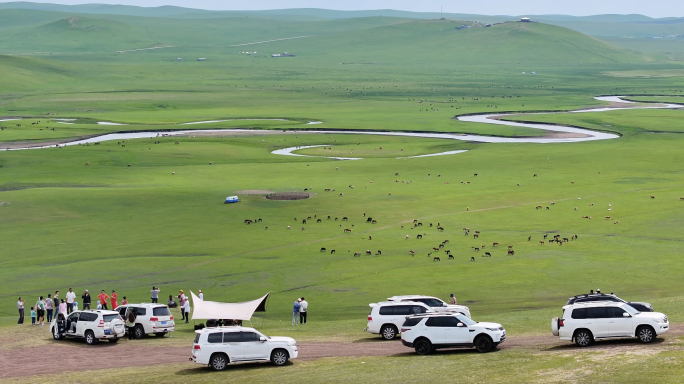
(423, 347)
(160, 334)
(56, 334)
(645, 334)
(138, 332)
(218, 362)
(114, 340)
(90, 338)
(484, 344)
(279, 357)
(583, 338)
(388, 332)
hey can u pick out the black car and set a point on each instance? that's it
(639, 306)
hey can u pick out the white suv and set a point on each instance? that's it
(432, 331)
(386, 317)
(434, 303)
(585, 322)
(91, 325)
(218, 347)
(150, 319)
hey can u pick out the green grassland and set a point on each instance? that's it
(80, 216)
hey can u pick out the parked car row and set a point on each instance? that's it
(427, 323)
(96, 325)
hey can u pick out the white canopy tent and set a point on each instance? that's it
(204, 310)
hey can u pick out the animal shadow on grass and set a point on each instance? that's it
(204, 370)
(606, 344)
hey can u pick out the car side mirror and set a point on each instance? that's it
(262, 339)
(461, 325)
(625, 314)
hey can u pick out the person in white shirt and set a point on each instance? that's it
(70, 297)
(302, 311)
(186, 309)
(20, 307)
(201, 295)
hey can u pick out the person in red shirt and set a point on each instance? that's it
(103, 299)
(114, 300)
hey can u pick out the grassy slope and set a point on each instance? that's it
(106, 225)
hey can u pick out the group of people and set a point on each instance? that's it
(50, 306)
(300, 311)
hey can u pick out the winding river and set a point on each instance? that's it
(578, 134)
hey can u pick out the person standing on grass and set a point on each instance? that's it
(124, 301)
(33, 316)
(56, 301)
(103, 299)
(295, 311)
(63, 307)
(201, 295)
(171, 303)
(70, 297)
(49, 308)
(453, 299)
(40, 309)
(302, 311)
(182, 298)
(114, 300)
(86, 299)
(186, 310)
(154, 293)
(20, 307)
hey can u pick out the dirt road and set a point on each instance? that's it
(74, 355)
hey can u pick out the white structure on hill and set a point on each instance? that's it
(525, 20)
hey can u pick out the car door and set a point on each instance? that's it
(620, 322)
(455, 332)
(435, 330)
(254, 348)
(232, 345)
(72, 323)
(598, 321)
(85, 322)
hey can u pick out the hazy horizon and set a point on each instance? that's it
(656, 8)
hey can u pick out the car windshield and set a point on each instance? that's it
(631, 310)
(465, 320)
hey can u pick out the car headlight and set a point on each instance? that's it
(660, 319)
(493, 329)
(292, 343)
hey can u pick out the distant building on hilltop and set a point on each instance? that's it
(284, 54)
(525, 20)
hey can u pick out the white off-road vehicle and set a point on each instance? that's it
(432, 331)
(220, 346)
(436, 304)
(90, 325)
(386, 317)
(150, 319)
(584, 323)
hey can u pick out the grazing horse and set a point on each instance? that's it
(495, 244)
(374, 222)
(303, 221)
(319, 221)
(435, 249)
(344, 218)
(475, 236)
(347, 230)
(451, 257)
(407, 236)
(419, 224)
(476, 249)
(248, 221)
(488, 254)
(472, 258)
(259, 220)
(652, 197)
(511, 252)
(441, 229)
(441, 245)
(565, 239)
(323, 250)
(448, 252)
(332, 251)
(357, 254)
(368, 252)
(445, 241)
(546, 235)
(419, 237)
(510, 247)
(368, 220)
(436, 258)
(541, 242)
(303, 228)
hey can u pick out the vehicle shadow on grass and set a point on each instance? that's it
(246, 367)
(605, 344)
(444, 352)
(79, 342)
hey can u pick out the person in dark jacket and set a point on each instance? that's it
(86, 299)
